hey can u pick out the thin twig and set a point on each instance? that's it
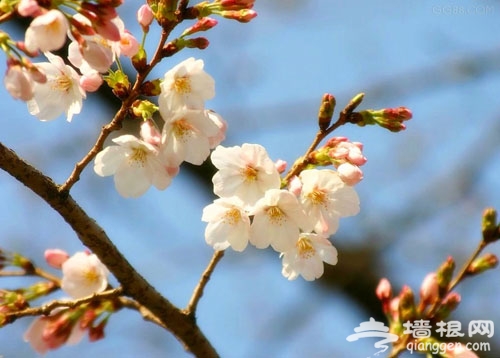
(47, 309)
(460, 276)
(320, 135)
(205, 277)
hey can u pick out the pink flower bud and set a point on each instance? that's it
(236, 4)
(91, 81)
(145, 17)
(240, 16)
(384, 290)
(56, 257)
(203, 24)
(280, 166)
(384, 294)
(429, 291)
(350, 174)
(29, 8)
(295, 186)
(19, 83)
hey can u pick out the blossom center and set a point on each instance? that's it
(318, 197)
(182, 128)
(91, 275)
(182, 85)
(305, 248)
(275, 214)
(232, 216)
(249, 173)
(62, 83)
(138, 156)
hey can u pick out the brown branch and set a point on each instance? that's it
(145, 313)
(205, 277)
(94, 237)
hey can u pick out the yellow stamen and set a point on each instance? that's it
(276, 216)
(305, 248)
(182, 85)
(62, 83)
(318, 197)
(138, 156)
(249, 173)
(232, 216)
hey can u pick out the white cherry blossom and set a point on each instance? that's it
(47, 32)
(186, 135)
(278, 218)
(228, 224)
(307, 256)
(246, 172)
(325, 198)
(61, 93)
(187, 84)
(83, 275)
(135, 165)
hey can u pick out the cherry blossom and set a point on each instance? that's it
(47, 32)
(83, 275)
(307, 256)
(51, 332)
(19, 83)
(135, 165)
(187, 84)
(228, 224)
(186, 135)
(246, 172)
(326, 198)
(61, 93)
(278, 218)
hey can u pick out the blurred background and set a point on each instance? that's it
(421, 199)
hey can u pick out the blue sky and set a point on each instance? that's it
(438, 57)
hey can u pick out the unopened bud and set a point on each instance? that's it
(243, 16)
(444, 274)
(56, 257)
(326, 110)
(449, 303)
(151, 88)
(389, 118)
(407, 309)
(203, 24)
(172, 48)
(481, 264)
(144, 109)
(489, 226)
(145, 17)
(384, 294)
(119, 83)
(198, 42)
(139, 60)
(429, 290)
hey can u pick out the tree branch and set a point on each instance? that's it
(205, 277)
(93, 236)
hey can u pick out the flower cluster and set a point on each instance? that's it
(98, 37)
(83, 275)
(189, 132)
(295, 221)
